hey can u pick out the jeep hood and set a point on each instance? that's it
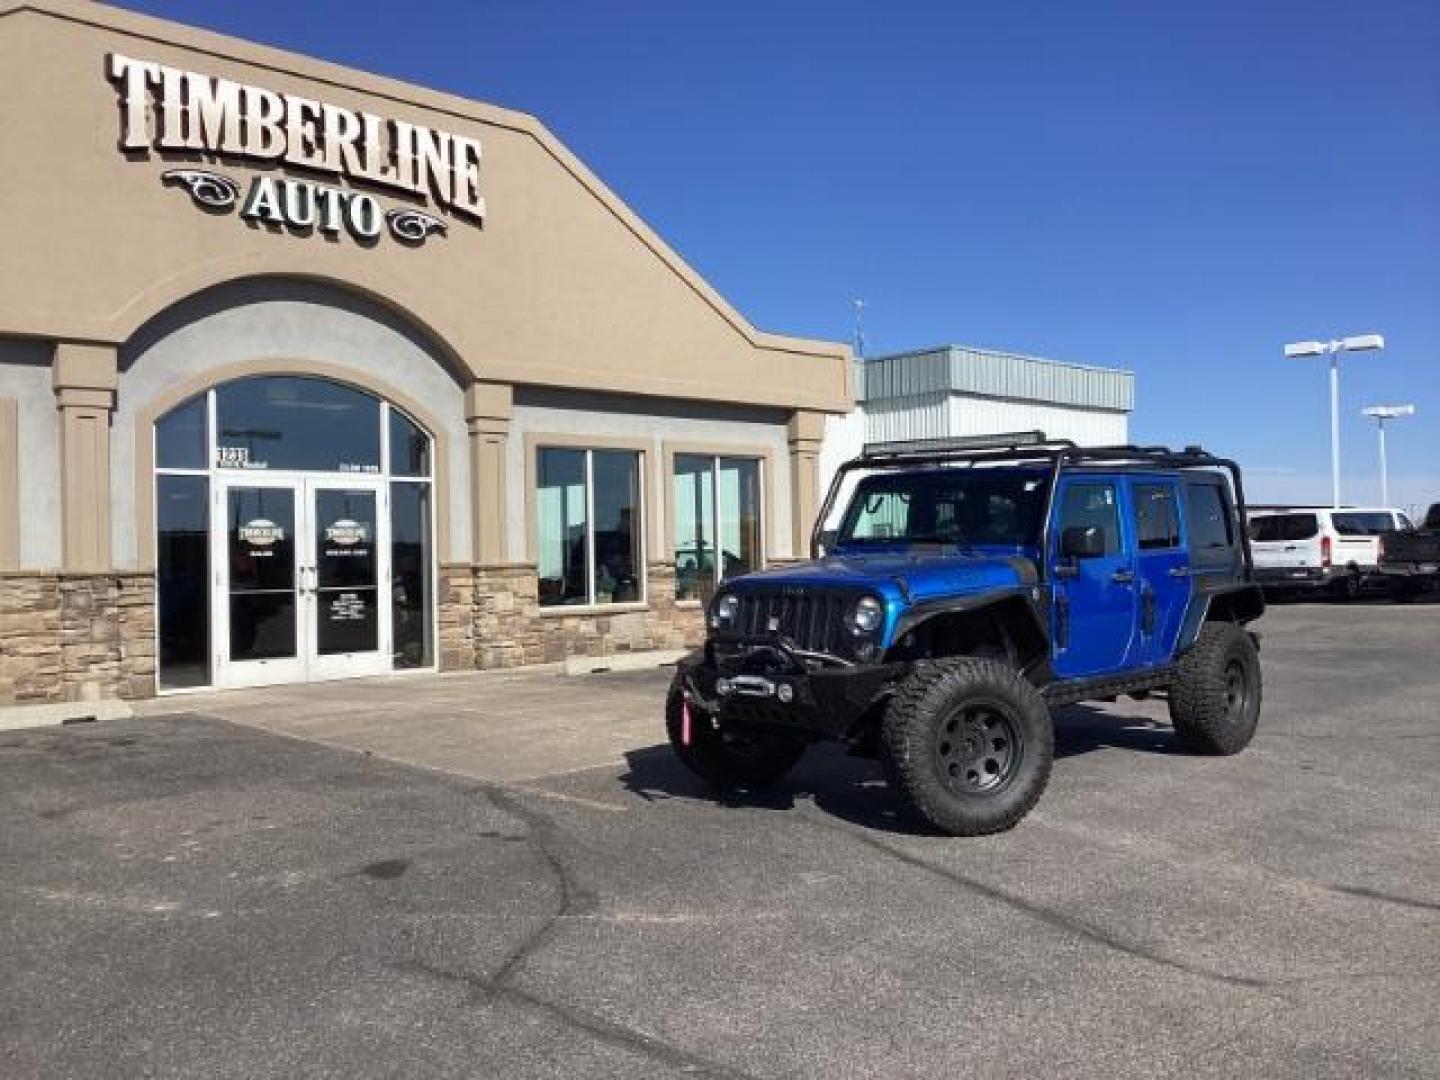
(910, 578)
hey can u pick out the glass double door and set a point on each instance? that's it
(302, 578)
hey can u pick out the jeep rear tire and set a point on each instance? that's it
(1215, 699)
(729, 757)
(970, 744)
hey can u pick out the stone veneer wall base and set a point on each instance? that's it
(491, 618)
(76, 637)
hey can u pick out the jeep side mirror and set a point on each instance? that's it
(1082, 542)
(826, 541)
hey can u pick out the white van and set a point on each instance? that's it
(1306, 548)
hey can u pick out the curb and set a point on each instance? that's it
(19, 717)
(628, 661)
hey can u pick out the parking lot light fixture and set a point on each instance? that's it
(1333, 348)
(1380, 414)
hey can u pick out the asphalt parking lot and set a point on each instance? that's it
(182, 895)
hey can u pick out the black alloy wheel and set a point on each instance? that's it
(979, 747)
(1237, 692)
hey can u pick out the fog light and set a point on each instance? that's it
(785, 692)
(722, 687)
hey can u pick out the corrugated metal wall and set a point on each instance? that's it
(996, 375)
(1088, 427)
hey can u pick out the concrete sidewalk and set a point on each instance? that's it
(501, 726)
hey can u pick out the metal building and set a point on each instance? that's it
(959, 390)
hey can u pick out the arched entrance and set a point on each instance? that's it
(294, 535)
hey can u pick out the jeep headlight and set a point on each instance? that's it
(867, 617)
(725, 611)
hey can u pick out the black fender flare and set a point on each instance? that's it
(1018, 611)
(1240, 602)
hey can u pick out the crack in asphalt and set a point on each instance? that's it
(573, 901)
(1385, 898)
(1048, 916)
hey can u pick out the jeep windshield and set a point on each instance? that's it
(953, 507)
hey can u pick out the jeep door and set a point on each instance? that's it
(1162, 567)
(1094, 610)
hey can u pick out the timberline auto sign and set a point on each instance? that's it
(182, 112)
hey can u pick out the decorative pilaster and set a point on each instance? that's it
(85, 378)
(488, 409)
(805, 432)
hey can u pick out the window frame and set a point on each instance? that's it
(764, 456)
(588, 444)
(717, 576)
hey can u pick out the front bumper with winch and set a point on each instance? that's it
(769, 685)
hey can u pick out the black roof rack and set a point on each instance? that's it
(1027, 446)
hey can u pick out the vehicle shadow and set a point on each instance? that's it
(855, 790)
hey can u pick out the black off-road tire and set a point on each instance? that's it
(730, 758)
(1215, 699)
(970, 744)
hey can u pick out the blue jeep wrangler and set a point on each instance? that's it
(972, 586)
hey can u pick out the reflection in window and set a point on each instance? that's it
(181, 437)
(1092, 506)
(717, 521)
(411, 599)
(1208, 518)
(564, 554)
(1157, 519)
(182, 565)
(293, 422)
(588, 521)
(409, 447)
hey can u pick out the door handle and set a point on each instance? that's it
(1123, 577)
(1179, 571)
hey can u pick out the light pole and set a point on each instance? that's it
(1381, 413)
(1333, 349)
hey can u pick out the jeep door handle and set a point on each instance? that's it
(1179, 571)
(1123, 577)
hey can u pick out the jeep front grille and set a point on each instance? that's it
(812, 621)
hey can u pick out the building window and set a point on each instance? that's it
(182, 569)
(296, 423)
(589, 516)
(717, 520)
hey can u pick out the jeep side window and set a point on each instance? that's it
(1209, 520)
(1084, 505)
(1157, 520)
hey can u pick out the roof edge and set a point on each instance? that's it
(983, 351)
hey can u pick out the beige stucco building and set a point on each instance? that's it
(306, 373)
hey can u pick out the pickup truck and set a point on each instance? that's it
(1410, 558)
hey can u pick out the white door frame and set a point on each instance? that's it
(306, 665)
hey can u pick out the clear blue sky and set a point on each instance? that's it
(1175, 189)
